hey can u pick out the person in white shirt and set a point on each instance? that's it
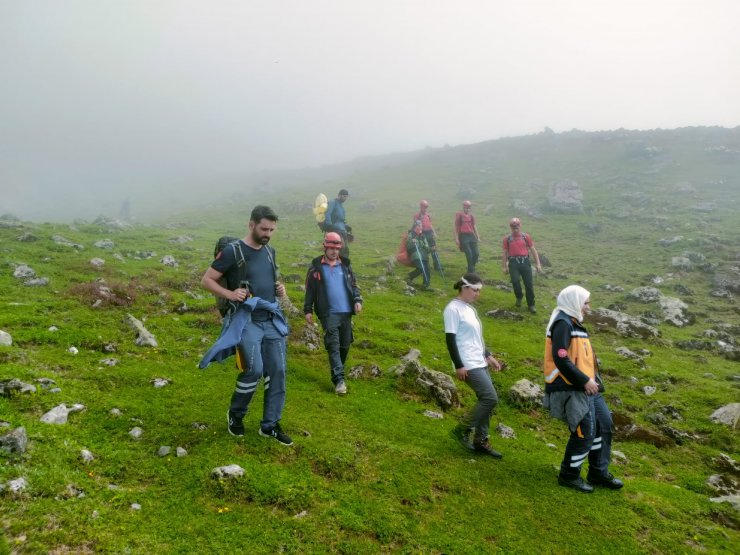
(471, 359)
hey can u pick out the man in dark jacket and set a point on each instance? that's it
(332, 292)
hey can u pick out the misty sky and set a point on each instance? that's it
(143, 94)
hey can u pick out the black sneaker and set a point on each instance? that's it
(532, 309)
(518, 303)
(278, 434)
(606, 481)
(575, 483)
(234, 423)
(485, 448)
(462, 434)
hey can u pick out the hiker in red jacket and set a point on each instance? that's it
(427, 229)
(515, 261)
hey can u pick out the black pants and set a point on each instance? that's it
(422, 269)
(520, 269)
(469, 245)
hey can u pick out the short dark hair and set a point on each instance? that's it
(262, 212)
(343, 192)
(470, 277)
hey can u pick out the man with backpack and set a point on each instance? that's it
(418, 251)
(335, 220)
(427, 229)
(249, 269)
(466, 235)
(515, 261)
(332, 292)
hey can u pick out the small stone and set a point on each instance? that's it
(649, 389)
(73, 350)
(86, 456)
(164, 451)
(135, 507)
(136, 432)
(181, 452)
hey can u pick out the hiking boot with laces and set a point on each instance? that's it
(277, 434)
(341, 388)
(485, 448)
(235, 424)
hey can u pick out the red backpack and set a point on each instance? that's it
(402, 257)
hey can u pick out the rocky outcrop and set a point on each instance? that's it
(621, 323)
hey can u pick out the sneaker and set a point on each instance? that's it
(576, 483)
(277, 433)
(607, 481)
(518, 303)
(532, 309)
(462, 434)
(485, 447)
(234, 423)
(341, 388)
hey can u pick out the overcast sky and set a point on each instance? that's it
(145, 94)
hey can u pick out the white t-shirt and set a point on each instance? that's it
(462, 319)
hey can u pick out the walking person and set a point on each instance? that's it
(515, 261)
(466, 235)
(332, 292)
(249, 268)
(336, 220)
(417, 249)
(430, 234)
(573, 394)
(471, 359)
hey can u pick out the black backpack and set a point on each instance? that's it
(224, 305)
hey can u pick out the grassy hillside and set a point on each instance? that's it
(370, 472)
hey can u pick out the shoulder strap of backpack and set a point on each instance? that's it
(241, 262)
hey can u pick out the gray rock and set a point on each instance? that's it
(501, 314)
(136, 432)
(60, 413)
(671, 241)
(675, 311)
(97, 262)
(622, 323)
(27, 238)
(14, 442)
(565, 196)
(362, 371)
(649, 390)
(143, 338)
(433, 414)
(115, 412)
(135, 507)
(645, 294)
(5, 339)
(526, 394)
(14, 386)
(104, 244)
(682, 263)
(728, 415)
(229, 471)
(161, 382)
(23, 271)
(36, 282)
(59, 240)
(86, 456)
(164, 450)
(169, 260)
(505, 431)
(18, 485)
(432, 384)
(733, 500)
(181, 452)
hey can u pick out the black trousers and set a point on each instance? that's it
(522, 271)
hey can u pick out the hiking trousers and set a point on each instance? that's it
(469, 245)
(260, 353)
(337, 340)
(480, 417)
(520, 269)
(591, 439)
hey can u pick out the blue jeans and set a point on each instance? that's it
(337, 340)
(592, 439)
(260, 353)
(480, 417)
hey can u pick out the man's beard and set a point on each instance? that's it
(260, 240)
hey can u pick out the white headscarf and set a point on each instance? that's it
(570, 300)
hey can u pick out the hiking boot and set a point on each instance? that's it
(341, 388)
(234, 423)
(605, 480)
(277, 433)
(518, 303)
(576, 483)
(485, 448)
(462, 434)
(532, 309)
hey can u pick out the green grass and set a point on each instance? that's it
(370, 473)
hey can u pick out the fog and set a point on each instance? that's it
(103, 100)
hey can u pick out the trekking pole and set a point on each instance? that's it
(435, 255)
(421, 261)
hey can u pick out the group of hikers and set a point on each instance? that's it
(516, 249)
(254, 330)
